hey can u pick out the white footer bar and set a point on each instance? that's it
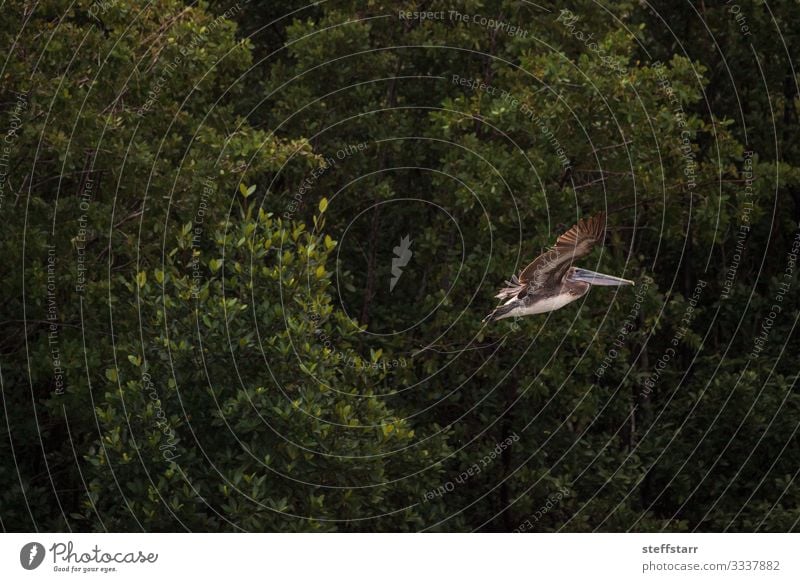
(400, 557)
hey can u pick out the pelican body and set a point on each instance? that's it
(551, 281)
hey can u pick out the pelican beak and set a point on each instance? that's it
(593, 278)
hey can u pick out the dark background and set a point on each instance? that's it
(201, 204)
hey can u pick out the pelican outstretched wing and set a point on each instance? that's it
(577, 242)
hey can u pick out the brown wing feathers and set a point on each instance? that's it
(577, 242)
(587, 231)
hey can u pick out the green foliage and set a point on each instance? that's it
(206, 206)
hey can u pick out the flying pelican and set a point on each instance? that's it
(550, 282)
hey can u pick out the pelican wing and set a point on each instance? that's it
(577, 242)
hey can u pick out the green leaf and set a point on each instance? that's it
(245, 191)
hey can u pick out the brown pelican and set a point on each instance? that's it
(550, 281)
